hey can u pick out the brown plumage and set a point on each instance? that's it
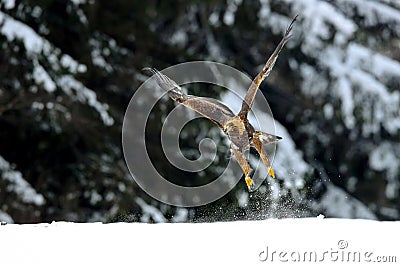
(237, 127)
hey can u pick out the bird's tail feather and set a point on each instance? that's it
(267, 138)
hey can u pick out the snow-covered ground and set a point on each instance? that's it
(301, 242)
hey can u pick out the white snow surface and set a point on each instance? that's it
(270, 242)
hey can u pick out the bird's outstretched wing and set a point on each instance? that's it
(207, 107)
(251, 93)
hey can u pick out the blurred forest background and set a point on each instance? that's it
(69, 68)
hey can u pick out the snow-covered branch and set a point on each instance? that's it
(18, 185)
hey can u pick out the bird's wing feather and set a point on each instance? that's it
(251, 92)
(208, 107)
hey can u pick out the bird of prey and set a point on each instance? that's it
(237, 127)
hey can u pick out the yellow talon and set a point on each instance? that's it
(249, 182)
(271, 172)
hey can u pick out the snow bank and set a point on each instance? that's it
(244, 243)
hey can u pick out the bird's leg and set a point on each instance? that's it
(241, 159)
(258, 145)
